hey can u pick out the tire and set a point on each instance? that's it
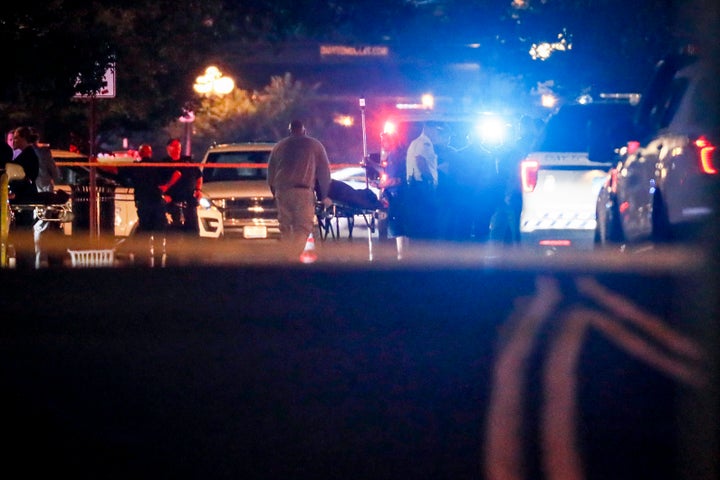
(609, 233)
(614, 226)
(661, 231)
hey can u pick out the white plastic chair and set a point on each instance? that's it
(92, 258)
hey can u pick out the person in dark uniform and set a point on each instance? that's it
(505, 222)
(183, 187)
(23, 191)
(149, 200)
(6, 154)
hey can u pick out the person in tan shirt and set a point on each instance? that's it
(298, 170)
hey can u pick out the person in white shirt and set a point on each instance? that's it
(421, 164)
(422, 161)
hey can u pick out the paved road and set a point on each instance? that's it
(455, 362)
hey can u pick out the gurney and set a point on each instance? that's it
(329, 219)
(348, 203)
(48, 206)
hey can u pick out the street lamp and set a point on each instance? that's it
(211, 83)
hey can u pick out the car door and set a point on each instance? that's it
(635, 189)
(641, 179)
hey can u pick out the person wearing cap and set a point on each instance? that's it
(149, 200)
(298, 170)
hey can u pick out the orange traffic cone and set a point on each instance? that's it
(308, 255)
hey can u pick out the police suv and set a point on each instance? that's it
(562, 175)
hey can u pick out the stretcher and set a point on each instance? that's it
(328, 218)
(48, 206)
(347, 203)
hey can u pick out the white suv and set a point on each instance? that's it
(236, 199)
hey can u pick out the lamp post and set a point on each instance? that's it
(211, 83)
(187, 118)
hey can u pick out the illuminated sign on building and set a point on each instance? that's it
(347, 51)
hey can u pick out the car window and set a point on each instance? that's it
(702, 109)
(575, 128)
(236, 173)
(672, 101)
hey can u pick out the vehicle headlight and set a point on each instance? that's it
(205, 203)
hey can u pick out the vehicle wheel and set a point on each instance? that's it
(601, 226)
(661, 231)
(598, 237)
(614, 233)
(609, 231)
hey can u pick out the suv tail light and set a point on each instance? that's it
(529, 174)
(706, 154)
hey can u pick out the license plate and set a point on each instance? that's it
(255, 231)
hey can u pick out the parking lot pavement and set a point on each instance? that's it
(554, 240)
(455, 357)
(159, 251)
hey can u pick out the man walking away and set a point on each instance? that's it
(298, 165)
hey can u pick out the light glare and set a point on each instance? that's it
(213, 82)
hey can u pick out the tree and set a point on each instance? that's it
(160, 46)
(245, 115)
(157, 46)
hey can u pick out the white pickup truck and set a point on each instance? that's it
(562, 175)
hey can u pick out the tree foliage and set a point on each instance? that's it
(250, 115)
(159, 47)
